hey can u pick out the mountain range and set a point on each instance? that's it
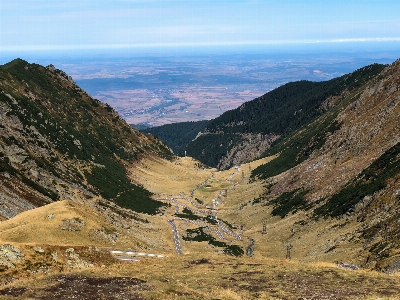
(309, 171)
(58, 142)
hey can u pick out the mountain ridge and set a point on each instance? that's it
(343, 164)
(246, 133)
(55, 137)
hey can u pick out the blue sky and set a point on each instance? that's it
(113, 24)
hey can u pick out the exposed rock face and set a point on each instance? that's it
(11, 204)
(74, 224)
(251, 148)
(9, 255)
(74, 261)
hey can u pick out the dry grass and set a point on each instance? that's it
(221, 277)
(166, 178)
(42, 226)
(325, 240)
(312, 241)
(203, 272)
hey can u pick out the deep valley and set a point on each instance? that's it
(293, 195)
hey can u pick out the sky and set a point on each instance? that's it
(31, 25)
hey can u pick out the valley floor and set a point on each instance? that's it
(183, 184)
(193, 237)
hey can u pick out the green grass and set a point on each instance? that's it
(288, 202)
(198, 235)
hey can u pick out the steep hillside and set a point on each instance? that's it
(245, 133)
(178, 135)
(346, 165)
(56, 142)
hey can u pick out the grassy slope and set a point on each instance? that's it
(36, 227)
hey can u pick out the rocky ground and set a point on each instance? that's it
(211, 277)
(73, 286)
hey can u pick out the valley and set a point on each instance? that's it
(91, 208)
(235, 205)
(199, 270)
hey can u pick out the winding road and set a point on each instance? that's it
(219, 232)
(250, 248)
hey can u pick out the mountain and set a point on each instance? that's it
(88, 204)
(334, 161)
(345, 164)
(246, 133)
(57, 142)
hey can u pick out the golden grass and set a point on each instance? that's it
(203, 272)
(220, 277)
(166, 178)
(312, 241)
(42, 226)
(322, 241)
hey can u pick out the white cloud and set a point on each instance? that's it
(356, 40)
(88, 24)
(188, 44)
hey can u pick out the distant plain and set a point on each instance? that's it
(163, 87)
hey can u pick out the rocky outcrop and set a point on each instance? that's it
(9, 255)
(251, 148)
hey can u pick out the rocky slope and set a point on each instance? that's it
(245, 133)
(349, 170)
(366, 126)
(57, 142)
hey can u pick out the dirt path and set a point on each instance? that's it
(197, 209)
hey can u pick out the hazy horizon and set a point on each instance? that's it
(88, 25)
(116, 47)
(162, 87)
